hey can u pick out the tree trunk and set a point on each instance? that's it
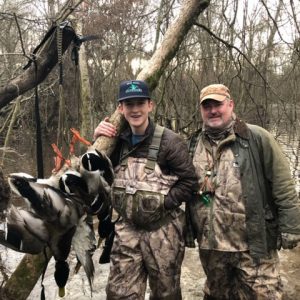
(24, 278)
(10, 127)
(85, 91)
(160, 59)
(45, 58)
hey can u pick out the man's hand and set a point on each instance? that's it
(289, 240)
(105, 128)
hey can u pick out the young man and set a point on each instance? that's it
(246, 207)
(153, 176)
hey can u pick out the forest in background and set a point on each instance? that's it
(251, 46)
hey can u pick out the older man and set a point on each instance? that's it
(246, 207)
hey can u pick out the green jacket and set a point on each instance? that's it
(272, 204)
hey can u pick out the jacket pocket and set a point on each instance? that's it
(272, 230)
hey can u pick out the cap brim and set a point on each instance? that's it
(133, 97)
(216, 97)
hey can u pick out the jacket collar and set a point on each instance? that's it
(127, 133)
(240, 128)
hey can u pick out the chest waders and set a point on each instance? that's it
(140, 187)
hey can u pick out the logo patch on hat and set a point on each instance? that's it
(130, 89)
(133, 88)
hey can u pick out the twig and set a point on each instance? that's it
(20, 35)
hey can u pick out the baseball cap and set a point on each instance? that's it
(218, 92)
(130, 89)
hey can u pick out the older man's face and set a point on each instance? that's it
(216, 114)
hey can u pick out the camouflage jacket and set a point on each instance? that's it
(268, 191)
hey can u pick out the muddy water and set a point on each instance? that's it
(192, 279)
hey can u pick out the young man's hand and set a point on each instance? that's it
(105, 128)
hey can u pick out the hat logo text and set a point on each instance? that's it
(134, 88)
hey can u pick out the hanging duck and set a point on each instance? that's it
(57, 207)
(98, 171)
(60, 213)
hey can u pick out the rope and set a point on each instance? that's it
(39, 143)
(61, 117)
(59, 31)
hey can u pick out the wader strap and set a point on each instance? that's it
(124, 151)
(193, 142)
(152, 152)
(154, 147)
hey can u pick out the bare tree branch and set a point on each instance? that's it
(230, 46)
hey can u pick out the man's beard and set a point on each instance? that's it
(219, 133)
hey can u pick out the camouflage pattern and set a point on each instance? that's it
(221, 225)
(138, 253)
(138, 193)
(237, 276)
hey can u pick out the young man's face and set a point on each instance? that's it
(216, 114)
(136, 112)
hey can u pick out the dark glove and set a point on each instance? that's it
(105, 227)
(169, 204)
(289, 240)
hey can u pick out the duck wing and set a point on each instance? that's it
(61, 209)
(84, 245)
(24, 232)
(49, 203)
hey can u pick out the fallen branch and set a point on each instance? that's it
(42, 64)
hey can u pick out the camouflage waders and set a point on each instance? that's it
(149, 239)
(221, 223)
(237, 276)
(138, 254)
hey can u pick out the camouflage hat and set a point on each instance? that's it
(218, 92)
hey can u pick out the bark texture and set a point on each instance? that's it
(25, 277)
(4, 192)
